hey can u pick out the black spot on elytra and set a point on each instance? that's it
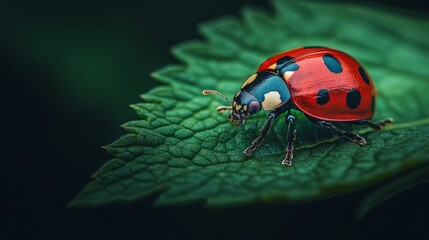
(322, 97)
(353, 98)
(283, 60)
(286, 64)
(332, 63)
(363, 75)
(373, 104)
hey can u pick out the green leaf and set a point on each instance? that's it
(185, 152)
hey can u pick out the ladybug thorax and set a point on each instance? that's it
(269, 88)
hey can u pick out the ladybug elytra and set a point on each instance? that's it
(327, 85)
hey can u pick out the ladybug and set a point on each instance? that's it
(327, 85)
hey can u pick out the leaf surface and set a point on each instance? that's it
(184, 151)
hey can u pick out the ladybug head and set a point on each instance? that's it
(243, 105)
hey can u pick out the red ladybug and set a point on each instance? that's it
(325, 84)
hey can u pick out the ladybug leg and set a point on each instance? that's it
(263, 133)
(377, 126)
(291, 136)
(351, 136)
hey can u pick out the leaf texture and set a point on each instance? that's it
(185, 152)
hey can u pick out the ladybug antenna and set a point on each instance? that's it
(207, 92)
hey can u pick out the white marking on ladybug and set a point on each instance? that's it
(287, 75)
(272, 66)
(272, 100)
(249, 80)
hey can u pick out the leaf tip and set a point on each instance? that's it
(153, 74)
(135, 107)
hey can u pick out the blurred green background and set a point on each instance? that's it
(71, 69)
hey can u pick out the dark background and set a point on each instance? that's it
(69, 70)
